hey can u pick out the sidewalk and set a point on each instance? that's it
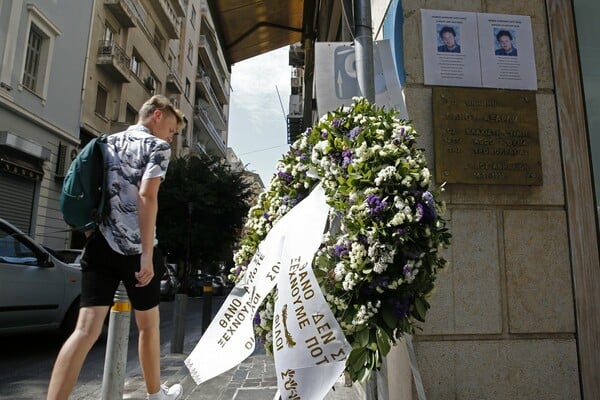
(253, 379)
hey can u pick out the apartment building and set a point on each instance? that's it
(41, 76)
(57, 91)
(213, 77)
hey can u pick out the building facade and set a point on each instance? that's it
(41, 75)
(516, 313)
(58, 91)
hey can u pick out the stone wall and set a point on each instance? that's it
(502, 322)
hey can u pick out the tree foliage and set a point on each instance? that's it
(204, 200)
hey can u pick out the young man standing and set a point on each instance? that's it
(123, 249)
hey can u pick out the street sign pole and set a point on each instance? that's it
(363, 43)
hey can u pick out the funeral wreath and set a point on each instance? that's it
(379, 258)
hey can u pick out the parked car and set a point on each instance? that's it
(197, 282)
(37, 290)
(69, 256)
(169, 284)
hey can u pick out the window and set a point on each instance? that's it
(187, 87)
(37, 54)
(193, 17)
(109, 35)
(12, 251)
(32, 60)
(101, 101)
(190, 51)
(130, 115)
(135, 64)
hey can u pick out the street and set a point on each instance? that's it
(26, 360)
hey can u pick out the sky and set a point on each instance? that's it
(257, 124)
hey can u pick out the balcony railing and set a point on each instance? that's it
(201, 115)
(123, 11)
(113, 60)
(217, 113)
(210, 59)
(174, 82)
(169, 16)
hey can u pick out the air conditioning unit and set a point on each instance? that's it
(150, 83)
(66, 154)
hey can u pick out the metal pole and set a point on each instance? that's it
(363, 53)
(363, 48)
(206, 306)
(179, 323)
(115, 360)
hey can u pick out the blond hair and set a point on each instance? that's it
(160, 102)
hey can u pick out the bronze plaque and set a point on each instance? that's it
(486, 136)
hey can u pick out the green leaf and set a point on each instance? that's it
(420, 309)
(362, 338)
(389, 317)
(383, 341)
(357, 359)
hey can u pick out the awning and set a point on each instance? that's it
(248, 28)
(20, 166)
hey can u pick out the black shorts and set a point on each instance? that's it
(103, 268)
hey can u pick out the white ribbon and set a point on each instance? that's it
(309, 347)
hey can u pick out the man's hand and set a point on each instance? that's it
(146, 272)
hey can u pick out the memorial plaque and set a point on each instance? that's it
(486, 136)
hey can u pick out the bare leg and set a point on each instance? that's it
(74, 351)
(149, 347)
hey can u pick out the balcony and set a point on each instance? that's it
(204, 123)
(169, 13)
(208, 57)
(174, 82)
(215, 109)
(122, 11)
(113, 60)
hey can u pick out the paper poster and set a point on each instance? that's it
(450, 48)
(478, 50)
(336, 77)
(507, 54)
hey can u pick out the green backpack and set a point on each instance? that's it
(83, 199)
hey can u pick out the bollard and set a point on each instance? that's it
(179, 323)
(206, 306)
(115, 360)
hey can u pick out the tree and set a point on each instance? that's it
(202, 200)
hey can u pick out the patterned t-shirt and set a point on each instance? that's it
(133, 155)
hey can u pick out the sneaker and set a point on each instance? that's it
(167, 393)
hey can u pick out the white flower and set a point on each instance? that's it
(385, 174)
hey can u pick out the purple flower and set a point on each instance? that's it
(399, 308)
(266, 216)
(380, 281)
(347, 157)
(406, 270)
(286, 176)
(256, 319)
(336, 123)
(324, 133)
(429, 212)
(354, 133)
(376, 204)
(341, 250)
(419, 212)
